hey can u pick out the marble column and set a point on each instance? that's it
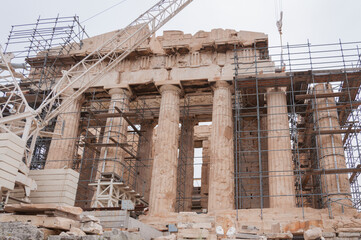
(281, 179)
(62, 146)
(112, 158)
(164, 176)
(331, 152)
(221, 175)
(188, 146)
(145, 166)
(205, 174)
(86, 170)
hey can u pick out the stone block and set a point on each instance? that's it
(328, 234)
(92, 227)
(19, 230)
(202, 225)
(55, 186)
(349, 234)
(89, 218)
(276, 228)
(279, 236)
(247, 236)
(193, 233)
(76, 232)
(42, 221)
(196, 225)
(170, 237)
(313, 233)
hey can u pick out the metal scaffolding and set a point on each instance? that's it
(300, 70)
(106, 159)
(38, 51)
(183, 157)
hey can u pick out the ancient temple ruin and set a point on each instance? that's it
(217, 129)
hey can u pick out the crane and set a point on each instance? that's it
(103, 59)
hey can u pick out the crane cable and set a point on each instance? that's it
(279, 24)
(103, 11)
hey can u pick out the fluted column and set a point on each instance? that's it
(188, 146)
(331, 151)
(145, 166)
(164, 176)
(221, 176)
(62, 146)
(87, 170)
(112, 158)
(281, 179)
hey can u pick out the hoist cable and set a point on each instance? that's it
(105, 10)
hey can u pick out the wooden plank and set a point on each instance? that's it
(336, 131)
(338, 106)
(319, 95)
(57, 213)
(305, 181)
(42, 221)
(128, 121)
(353, 175)
(106, 115)
(349, 129)
(105, 144)
(331, 171)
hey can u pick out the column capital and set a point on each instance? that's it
(221, 84)
(169, 87)
(276, 90)
(125, 91)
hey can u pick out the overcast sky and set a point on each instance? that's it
(321, 21)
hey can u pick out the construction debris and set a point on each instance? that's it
(20, 231)
(91, 224)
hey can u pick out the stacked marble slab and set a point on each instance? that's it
(55, 186)
(11, 155)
